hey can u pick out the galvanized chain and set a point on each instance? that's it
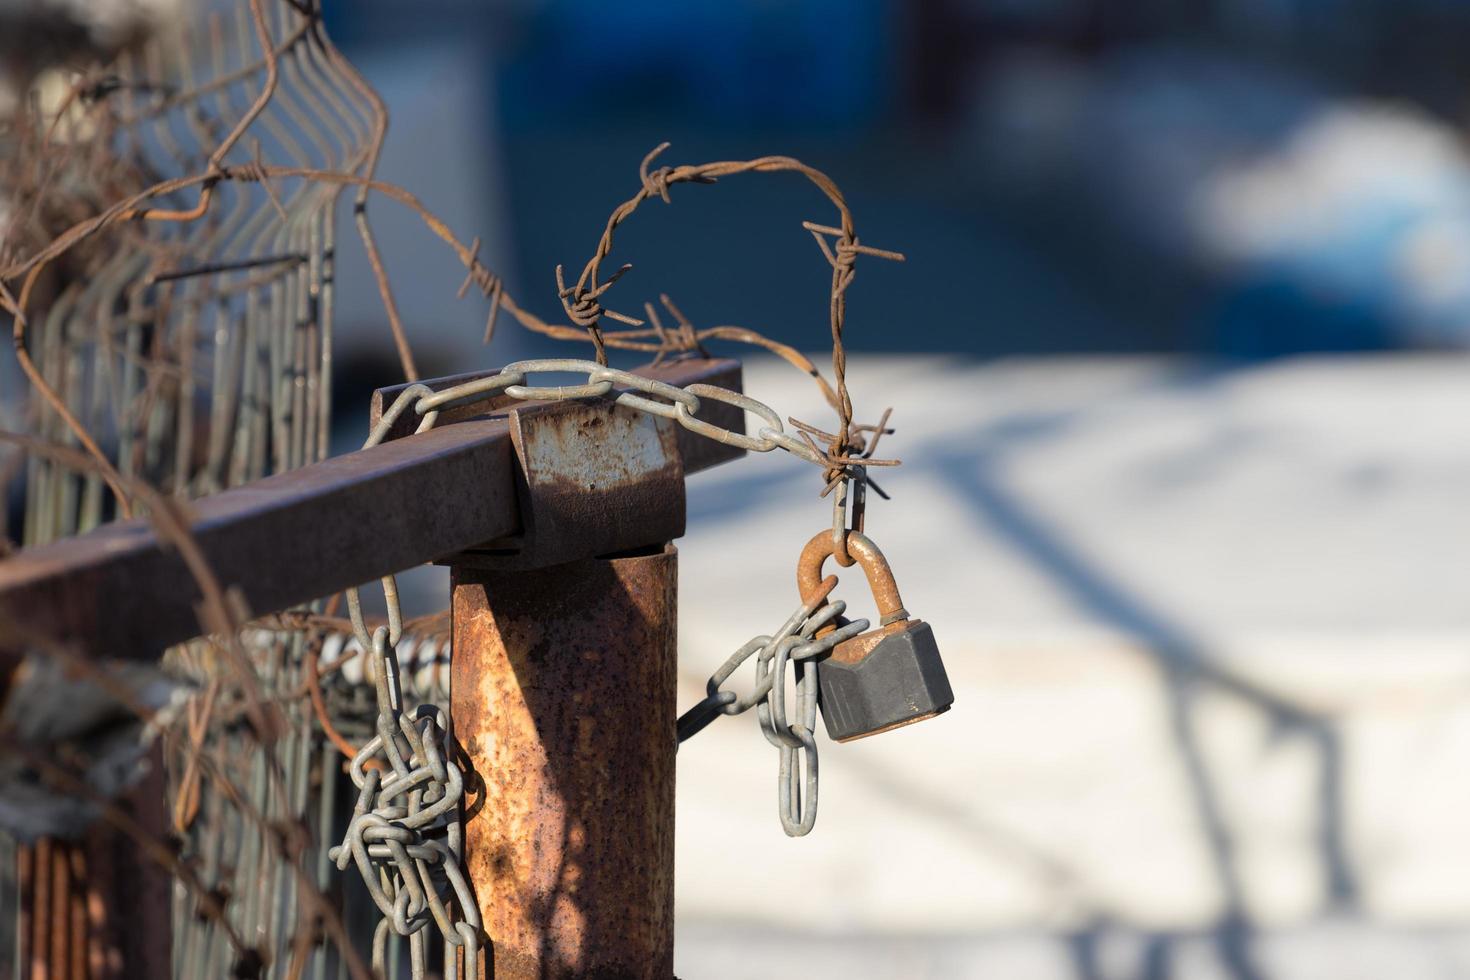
(406, 835)
(795, 643)
(408, 824)
(410, 819)
(682, 406)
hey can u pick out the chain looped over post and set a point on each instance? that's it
(794, 643)
(408, 820)
(406, 833)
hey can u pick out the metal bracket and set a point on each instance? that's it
(594, 478)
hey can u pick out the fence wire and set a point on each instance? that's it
(167, 258)
(195, 351)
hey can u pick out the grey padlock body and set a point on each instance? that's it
(901, 680)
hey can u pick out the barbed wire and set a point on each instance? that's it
(580, 301)
(137, 252)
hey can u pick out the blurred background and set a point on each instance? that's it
(1175, 363)
(1244, 178)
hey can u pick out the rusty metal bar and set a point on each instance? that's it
(120, 591)
(563, 699)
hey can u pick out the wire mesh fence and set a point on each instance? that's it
(167, 255)
(193, 344)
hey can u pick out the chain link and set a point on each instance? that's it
(406, 834)
(795, 643)
(682, 406)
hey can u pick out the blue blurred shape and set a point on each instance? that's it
(747, 61)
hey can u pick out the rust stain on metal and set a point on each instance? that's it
(857, 649)
(698, 452)
(880, 580)
(594, 478)
(564, 701)
(97, 908)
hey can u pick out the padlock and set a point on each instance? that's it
(882, 679)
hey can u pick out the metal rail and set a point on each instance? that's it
(121, 591)
(520, 500)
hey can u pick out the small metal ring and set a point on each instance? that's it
(739, 704)
(780, 728)
(469, 392)
(676, 396)
(827, 642)
(554, 365)
(412, 395)
(720, 434)
(791, 443)
(557, 393)
(739, 400)
(798, 809)
(566, 365)
(839, 526)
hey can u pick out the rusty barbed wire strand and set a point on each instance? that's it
(196, 255)
(839, 456)
(580, 301)
(583, 296)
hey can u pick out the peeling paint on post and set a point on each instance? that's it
(564, 701)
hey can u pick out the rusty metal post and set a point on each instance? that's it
(564, 701)
(129, 895)
(97, 908)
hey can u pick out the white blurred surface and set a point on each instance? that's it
(1207, 633)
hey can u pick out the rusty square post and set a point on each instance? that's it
(562, 695)
(563, 689)
(564, 701)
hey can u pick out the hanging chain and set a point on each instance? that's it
(794, 644)
(406, 836)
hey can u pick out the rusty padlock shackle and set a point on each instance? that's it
(880, 577)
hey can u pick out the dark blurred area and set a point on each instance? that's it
(1246, 178)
